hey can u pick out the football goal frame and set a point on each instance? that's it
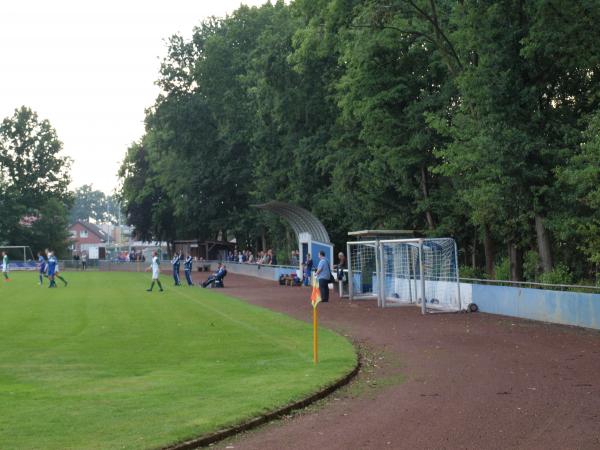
(422, 272)
(363, 270)
(16, 249)
(403, 272)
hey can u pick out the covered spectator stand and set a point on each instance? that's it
(312, 235)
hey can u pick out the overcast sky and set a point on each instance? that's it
(89, 68)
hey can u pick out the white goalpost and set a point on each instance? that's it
(363, 267)
(20, 256)
(17, 252)
(418, 271)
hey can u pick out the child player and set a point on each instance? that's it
(155, 272)
(5, 263)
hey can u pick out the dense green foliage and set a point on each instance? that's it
(471, 119)
(103, 364)
(34, 179)
(90, 203)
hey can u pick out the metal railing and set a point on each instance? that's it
(533, 285)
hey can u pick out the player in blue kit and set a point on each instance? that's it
(53, 270)
(176, 261)
(52, 261)
(42, 266)
(187, 268)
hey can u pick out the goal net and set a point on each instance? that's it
(420, 271)
(399, 268)
(19, 256)
(362, 269)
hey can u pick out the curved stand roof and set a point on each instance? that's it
(301, 220)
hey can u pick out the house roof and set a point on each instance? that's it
(92, 228)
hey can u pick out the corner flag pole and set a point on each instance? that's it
(315, 298)
(315, 336)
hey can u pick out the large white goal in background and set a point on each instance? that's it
(363, 266)
(398, 272)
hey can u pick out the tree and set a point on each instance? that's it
(89, 203)
(35, 179)
(30, 158)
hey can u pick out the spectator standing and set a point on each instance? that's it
(308, 267)
(293, 259)
(324, 276)
(83, 261)
(342, 265)
(266, 260)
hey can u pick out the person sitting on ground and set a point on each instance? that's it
(217, 277)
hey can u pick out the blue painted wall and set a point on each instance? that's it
(570, 308)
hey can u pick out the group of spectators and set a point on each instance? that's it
(135, 256)
(80, 258)
(264, 258)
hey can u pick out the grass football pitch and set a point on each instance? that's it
(104, 364)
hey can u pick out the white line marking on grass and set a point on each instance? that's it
(247, 326)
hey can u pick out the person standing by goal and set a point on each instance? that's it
(155, 272)
(5, 264)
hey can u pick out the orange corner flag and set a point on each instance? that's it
(315, 295)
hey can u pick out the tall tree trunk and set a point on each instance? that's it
(515, 261)
(543, 243)
(474, 252)
(428, 215)
(264, 242)
(488, 246)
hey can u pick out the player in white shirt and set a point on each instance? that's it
(155, 272)
(5, 266)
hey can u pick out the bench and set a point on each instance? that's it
(289, 280)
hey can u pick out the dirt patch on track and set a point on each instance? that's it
(443, 381)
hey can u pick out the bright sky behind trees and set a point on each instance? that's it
(89, 68)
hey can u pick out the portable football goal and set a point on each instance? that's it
(17, 252)
(20, 256)
(363, 267)
(420, 272)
